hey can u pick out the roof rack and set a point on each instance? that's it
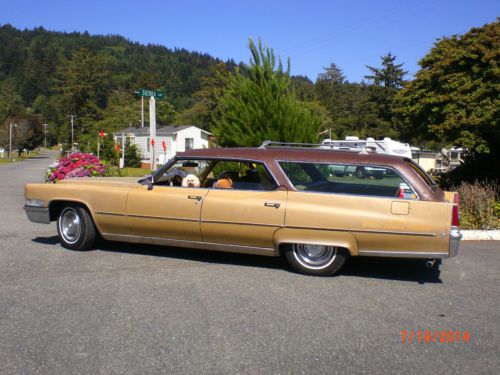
(319, 146)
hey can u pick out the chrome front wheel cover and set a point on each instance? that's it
(70, 225)
(315, 257)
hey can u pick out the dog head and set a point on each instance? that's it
(191, 181)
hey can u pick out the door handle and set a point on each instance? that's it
(196, 197)
(272, 204)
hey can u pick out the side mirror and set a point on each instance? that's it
(150, 183)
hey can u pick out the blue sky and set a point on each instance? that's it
(312, 33)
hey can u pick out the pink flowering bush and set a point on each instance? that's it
(76, 165)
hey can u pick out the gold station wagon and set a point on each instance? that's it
(316, 207)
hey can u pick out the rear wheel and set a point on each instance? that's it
(76, 228)
(318, 260)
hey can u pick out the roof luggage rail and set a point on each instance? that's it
(270, 144)
(319, 146)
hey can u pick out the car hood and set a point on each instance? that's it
(107, 181)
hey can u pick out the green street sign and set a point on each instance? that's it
(153, 93)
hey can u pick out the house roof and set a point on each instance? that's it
(161, 130)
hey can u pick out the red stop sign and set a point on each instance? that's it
(101, 134)
(164, 145)
(152, 142)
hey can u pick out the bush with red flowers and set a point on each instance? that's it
(75, 165)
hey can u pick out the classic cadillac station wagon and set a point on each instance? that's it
(316, 207)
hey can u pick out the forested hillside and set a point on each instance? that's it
(56, 74)
(452, 100)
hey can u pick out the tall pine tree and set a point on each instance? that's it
(260, 105)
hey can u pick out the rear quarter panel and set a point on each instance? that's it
(373, 222)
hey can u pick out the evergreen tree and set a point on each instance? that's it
(260, 105)
(390, 75)
(132, 157)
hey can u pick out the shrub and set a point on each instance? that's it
(75, 165)
(479, 205)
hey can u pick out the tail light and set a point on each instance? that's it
(455, 219)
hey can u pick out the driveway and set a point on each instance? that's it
(141, 309)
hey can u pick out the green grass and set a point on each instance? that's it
(135, 172)
(113, 171)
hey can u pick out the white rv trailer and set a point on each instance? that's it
(384, 146)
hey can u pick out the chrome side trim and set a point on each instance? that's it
(267, 251)
(38, 214)
(376, 231)
(109, 213)
(163, 218)
(241, 223)
(401, 254)
(455, 237)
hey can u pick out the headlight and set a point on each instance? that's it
(35, 203)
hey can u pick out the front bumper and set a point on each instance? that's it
(455, 237)
(38, 214)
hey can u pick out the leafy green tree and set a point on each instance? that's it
(455, 98)
(260, 105)
(27, 133)
(390, 75)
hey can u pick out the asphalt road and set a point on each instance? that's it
(144, 309)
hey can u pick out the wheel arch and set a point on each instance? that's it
(287, 236)
(56, 206)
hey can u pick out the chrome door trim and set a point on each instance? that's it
(267, 251)
(401, 254)
(109, 213)
(375, 231)
(162, 217)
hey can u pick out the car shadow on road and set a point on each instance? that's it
(367, 267)
(412, 270)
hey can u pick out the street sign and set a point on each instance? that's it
(164, 145)
(155, 94)
(101, 134)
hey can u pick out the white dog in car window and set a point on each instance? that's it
(191, 181)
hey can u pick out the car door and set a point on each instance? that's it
(166, 212)
(247, 214)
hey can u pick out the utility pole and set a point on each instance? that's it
(45, 126)
(72, 133)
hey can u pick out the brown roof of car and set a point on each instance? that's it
(294, 154)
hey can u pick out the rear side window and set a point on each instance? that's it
(377, 181)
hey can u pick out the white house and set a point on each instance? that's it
(177, 139)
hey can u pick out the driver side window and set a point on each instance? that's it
(184, 173)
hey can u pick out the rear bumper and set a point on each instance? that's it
(38, 214)
(455, 237)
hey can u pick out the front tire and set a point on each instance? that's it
(316, 260)
(76, 228)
